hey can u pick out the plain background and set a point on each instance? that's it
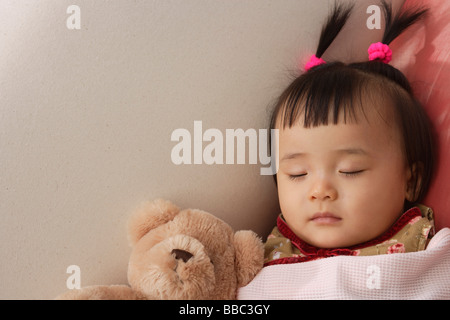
(86, 118)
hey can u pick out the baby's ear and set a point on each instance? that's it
(148, 216)
(249, 251)
(414, 181)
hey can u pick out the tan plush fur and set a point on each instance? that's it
(182, 254)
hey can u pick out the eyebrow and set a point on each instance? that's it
(357, 151)
(293, 156)
(349, 151)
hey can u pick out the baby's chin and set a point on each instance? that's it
(334, 242)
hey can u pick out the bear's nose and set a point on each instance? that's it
(182, 254)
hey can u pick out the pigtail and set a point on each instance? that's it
(335, 23)
(394, 26)
(380, 54)
(333, 26)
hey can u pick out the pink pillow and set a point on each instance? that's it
(423, 54)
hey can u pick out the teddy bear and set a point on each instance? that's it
(181, 254)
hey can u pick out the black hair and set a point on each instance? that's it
(335, 88)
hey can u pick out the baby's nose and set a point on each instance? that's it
(182, 254)
(323, 190)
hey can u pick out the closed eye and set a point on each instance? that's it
(297, 176)
(351, 173)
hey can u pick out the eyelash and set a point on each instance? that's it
(298, 176)
(351, 173)
(347, 174)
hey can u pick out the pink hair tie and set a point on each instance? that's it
(313, 61)
(380, 51)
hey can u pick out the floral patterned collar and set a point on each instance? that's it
(410, 233)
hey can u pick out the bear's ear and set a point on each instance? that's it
(249, 252)
(148, 216)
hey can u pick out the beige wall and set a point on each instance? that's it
(86, 118)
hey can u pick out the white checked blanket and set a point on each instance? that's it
(416, 275)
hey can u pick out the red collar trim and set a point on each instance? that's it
(313, 253)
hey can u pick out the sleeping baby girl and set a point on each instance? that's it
(355, 156)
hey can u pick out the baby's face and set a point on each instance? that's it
(341, 185)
